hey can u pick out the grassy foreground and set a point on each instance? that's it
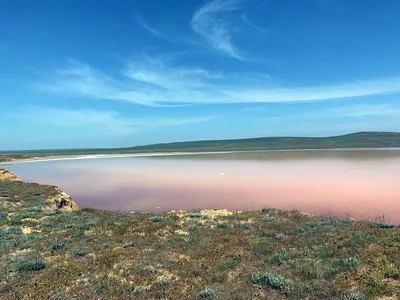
(46, 253)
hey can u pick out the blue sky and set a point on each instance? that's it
(79, 74)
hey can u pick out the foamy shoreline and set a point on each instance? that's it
(155, 154)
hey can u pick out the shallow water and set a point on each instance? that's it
(363, 184)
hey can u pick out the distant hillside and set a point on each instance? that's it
(354, 140)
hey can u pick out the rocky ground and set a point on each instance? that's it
(49, 248)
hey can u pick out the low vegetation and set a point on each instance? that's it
(271, 254)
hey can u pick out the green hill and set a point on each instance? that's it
(354, 140)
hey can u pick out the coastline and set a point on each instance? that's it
(156, 154)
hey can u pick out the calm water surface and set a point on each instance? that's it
(364, 184)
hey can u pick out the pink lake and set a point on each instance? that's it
(362, 184)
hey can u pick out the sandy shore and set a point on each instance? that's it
(154, 154)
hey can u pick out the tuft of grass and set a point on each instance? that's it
(281, 257)
(354, 296)
(274, 281)
(300, 229)
(129, 244)
(58, 245)
(269, 219)
(280, 237)
(3, 216)
(139, 291)
(351, 262)
(387, 226)
(32, 266)
(165, 281)
(223, 225)
(80, 252)
(207, 293)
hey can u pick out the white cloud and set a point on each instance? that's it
(151, 30)
(156, 82)
(214, 28)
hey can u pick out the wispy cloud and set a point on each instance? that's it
(261, 30)
(151, 30)
(152, 81)
(211, 24)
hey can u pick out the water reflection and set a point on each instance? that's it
(361, 183)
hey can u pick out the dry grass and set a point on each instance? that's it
(91, 254)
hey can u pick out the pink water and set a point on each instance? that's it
(363, 184)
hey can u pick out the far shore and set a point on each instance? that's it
(155, 154)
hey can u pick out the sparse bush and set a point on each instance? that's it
(58, 245)
(266, 210)
(354, 296)
(16, 220)
(223, 225)
(32, 266)
(207, 293)
(139, 291)
(80, 252)
(3, 216)
(274, 281)
(198, 216)
(386, 225)
(165, 281)
(14, 230)
(351, 262)
(280, 237)
(128, 245)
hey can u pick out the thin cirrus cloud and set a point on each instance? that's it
(153, 82)
(152, 30)
(210, 23)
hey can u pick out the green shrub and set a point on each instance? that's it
(16, 220)
(280, 237)
(351, 262)
(207, 293)
(387, 225)
(266, 209)
(139, 291)
(223, 225)
(305, 251)
(58, 245)
(128, 245)
(354, 296)
(274, 281)
(300, 229)
(165, 281)
(80, 252)
(3, 216)
(32, 266)
(269, 219)
(14, 230)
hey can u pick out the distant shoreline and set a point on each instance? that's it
(157, 154)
